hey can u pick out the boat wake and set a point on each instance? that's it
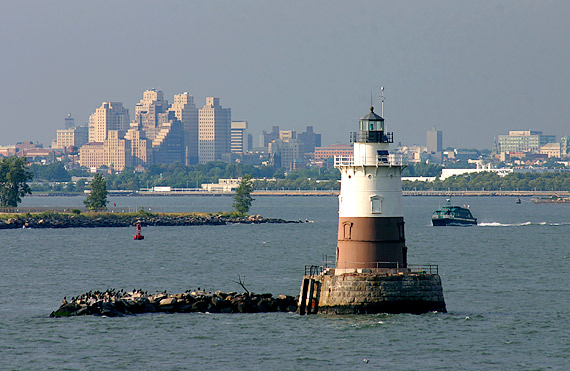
(495, 224)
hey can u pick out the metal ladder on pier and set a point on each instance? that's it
(307, 301)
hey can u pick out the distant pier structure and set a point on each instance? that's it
(371, 273)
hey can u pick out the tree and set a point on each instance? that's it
(97, 199)
(13, 177)
(54, 172)
(242, 197)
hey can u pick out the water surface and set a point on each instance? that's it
(505, 284)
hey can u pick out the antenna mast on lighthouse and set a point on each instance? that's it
(382, 96)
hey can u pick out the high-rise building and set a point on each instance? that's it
(287, 134)
(214, 126)
(150, 112)
(265, 138)
(69, 122)
(523, 141)
(141, 148)
(285, 152)
(186, 112)
(150, 98)
(113, 152)
(310, 140)
(168, 144)
(110, 116)
(564, 146)
(162, 127)
(434, 140)
(72, 137)
(239, 137)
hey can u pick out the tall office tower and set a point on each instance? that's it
(186, 112)
(110, 116)
(249, 142)
(168, 144)
(265, 138)
(141, 148)
(69, 122)
(151, 97)
(161, 127)
(148, 110)
(239, 138)
(112, 152)
(285, 152)
(287, 134)
(564, 146)
(71, 137)
(310, 140)
(434, 141)
(214, 126)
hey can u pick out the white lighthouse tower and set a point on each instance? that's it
(372, 274)
(371, 220)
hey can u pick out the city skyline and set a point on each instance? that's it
(481, 69)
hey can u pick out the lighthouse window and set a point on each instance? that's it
(401, 231)
(347, 230)
(376, 204)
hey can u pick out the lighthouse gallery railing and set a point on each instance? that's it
(313, 270)
(380, 160)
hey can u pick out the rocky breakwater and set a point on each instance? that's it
(113, 303)
(99, 220)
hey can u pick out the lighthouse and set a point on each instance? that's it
(371, 220)
(371, 273)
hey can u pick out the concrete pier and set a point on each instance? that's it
(368, 291)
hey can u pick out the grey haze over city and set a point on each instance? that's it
(471, 69)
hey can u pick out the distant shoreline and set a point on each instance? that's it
(322, 193)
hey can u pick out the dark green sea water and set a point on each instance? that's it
(506, 284)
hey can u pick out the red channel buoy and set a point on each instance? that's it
(138, 236)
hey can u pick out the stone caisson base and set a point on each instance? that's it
(368, 293)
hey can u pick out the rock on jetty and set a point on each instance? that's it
(114, 303)
(98, 220)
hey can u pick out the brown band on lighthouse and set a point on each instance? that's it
(365, 242)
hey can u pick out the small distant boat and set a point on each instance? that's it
(452, 215)
(518, 201)
(551, 200)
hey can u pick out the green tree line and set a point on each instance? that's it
(422, 169)
(551, 181)
(54, 172)
(181, 176)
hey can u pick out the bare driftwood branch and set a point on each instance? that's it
(242, 283)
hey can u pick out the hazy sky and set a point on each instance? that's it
(472, 69)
